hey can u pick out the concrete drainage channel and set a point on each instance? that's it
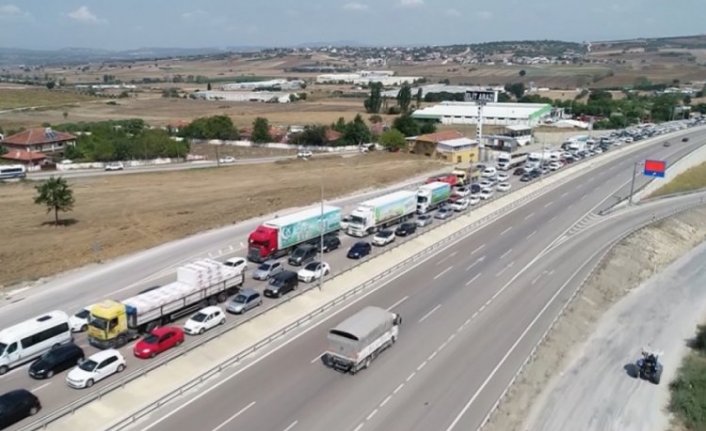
(503, 205)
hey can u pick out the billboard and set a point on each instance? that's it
(489, 96)
(655, 168)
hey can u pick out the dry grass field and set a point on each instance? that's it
(126, 213)
(24, 97)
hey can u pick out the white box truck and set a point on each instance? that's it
(378, 213)
(356, 342)
(431, 196)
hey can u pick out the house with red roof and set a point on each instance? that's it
(34, 146)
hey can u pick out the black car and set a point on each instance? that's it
(526, 177)
(330, 243)
(685, 139)
(519, 171)
(17, 405)
(535, 173)
(56, 360)
(282, 283)
(475, 188)
(359, 250)
(405, 229)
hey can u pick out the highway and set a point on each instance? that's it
(471, 315)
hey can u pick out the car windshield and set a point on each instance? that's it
(83, 314)
(151, 339)
(88, 365)
(264, 267)
(99, 323)
(299, 252)
(199, 317)
(240, 299)
(312, 266)
(231, 263)
(275, 282)
(384, 233)
(2, 348)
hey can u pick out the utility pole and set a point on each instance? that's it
(218, 156)
(321, 227)
(632, 183)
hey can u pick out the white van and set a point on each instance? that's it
(27, 340)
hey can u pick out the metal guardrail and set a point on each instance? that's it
(97, 395)
(579, 288)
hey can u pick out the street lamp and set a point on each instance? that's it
(321, 235)
(632, 182)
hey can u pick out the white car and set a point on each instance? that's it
(313, 271)
(489, 172)
(598, 150)
(460, 205)
(555, 166)
(383, 237)
(474, 199)
(240, 264)
(304, 154)
(79, 321)
(97, 367)
(486, 193)
(114, 166)
(486, 184)
(504, 187)
(503, 176)
(227, 159)
(204, 319)
(462, 191)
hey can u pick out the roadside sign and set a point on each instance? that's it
(655, 168)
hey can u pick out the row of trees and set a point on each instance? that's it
(375, 102)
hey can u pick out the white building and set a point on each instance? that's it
(514, 136)
(441, 88)
(282, 84)
(365, 77)
(500, 114)
(245, 96)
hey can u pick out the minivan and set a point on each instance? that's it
(282, 283)
(56, 360)
(304, 253)
(331, 242)
(17, 405)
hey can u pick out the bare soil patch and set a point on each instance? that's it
(626, 266)
(117, 215)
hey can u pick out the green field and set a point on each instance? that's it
(31, 97)
(692, 179)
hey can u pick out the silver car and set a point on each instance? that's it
(424, 220)
(245, 300)
(267, 269)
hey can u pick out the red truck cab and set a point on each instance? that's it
(262, 244)
(451, 179)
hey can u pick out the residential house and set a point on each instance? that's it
(448, 145)
(34, 146)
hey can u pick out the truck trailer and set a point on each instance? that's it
(451, 179)
(279, 236)
(431, 196)
(379, 213)
(356, 342)
(200, 283)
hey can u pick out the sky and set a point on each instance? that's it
(130, 24)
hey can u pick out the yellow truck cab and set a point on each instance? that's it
(108, 327)
(466, 174)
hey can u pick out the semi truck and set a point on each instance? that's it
(451, 179)
(200, 283)
(358, 340)
(279, 236)
(431, 196)
(379, 213)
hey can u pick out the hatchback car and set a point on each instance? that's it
(267, 269)
(282, 283)
(158, 341)
(474, 200)
(519, 171)
(685, 139)
(227, 159)
(383, 237)
(97, 367)
(359, 250)
(331, 242)
(475, 188)
(79, 321)
(424, 220)
(504, 187)
(17, 405)
(114, 166)
(314, 270)
(489, 172)
(502, 176)
(666, 144)
(55, 361)
(486, 194)
(460, 205)
(204, 319)
(240, 264)
(406, 228)
(443, 213)
(462, 191)
(245, 300)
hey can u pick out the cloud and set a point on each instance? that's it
(452, 12)
(484, 14)
(411, 3)
(10, 12)
(82, 14)
(355, 6)
(194, 14)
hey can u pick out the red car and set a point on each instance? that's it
(158, 341)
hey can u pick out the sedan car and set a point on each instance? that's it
(158, 341)
(79, 321)
(97, 367)
(304, 154)
(359, 250)
(526, 177)
(444, 213)
(406, 228)
(56, 360)
(685, 139)
(331, 242)
(504, 187)
(314, 270)
(489, 172)
(666, 144)
(240, 264)
(503, 176)
(519, 171)
(16, 405)
(460, 205)
(383, 237)
(114, 166)
(245, 300)
(462, 191)
(205, 319)
(267, 269)
(485, 184)
(474, 200)
(555, 166)
(227, 159)
(424, 220)
(486, 194)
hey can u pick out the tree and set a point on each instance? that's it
(419, 97)
(407, 125)
(375, 118)
(404, 97)
(517, 89)
(208, 86)
(340, 125)
(356, 132)
(522, 72)
(392, 140)
(51, 85)
(374, 101)
(56, 195)
(427, 127)
(261, 131)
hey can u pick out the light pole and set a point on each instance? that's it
(321, 228)
(632, 182)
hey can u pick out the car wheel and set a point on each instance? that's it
(152, 355)
(121, 368)
(223, 321)
(50, 374)
(33, 410)
(89, 383)
(178, 342)
(202, 330)
(84, 328)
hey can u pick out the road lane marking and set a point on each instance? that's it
(550, 272)
(398, 388)
(370, 416)
(422, 365)
(535, 279)
(529, 215)
(550, 202)
(433, 355)
(583, 196)
(41, 387)
(292, 425)
(555, 216)
(475, 277)
(385, 401)
(505, 231)
(411, 376)
(479, 260)
(509, 265)
(564, 194)
(530, 235)
(443, 272)
(397, 303)
(593, 304)
(429, 313)
(504, 255)
(359, 427)
(478, 249)
(316, 358)
(446, 257)
(238, 413)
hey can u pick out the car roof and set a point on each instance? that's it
(210, 309)
(235, 259)
(270, 261)
(164, 330)
(248, 291)
(104, 354)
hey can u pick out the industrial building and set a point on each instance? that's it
(365, 77)
(443, 88)
(245, 96)
(498, 114)
(282, 84)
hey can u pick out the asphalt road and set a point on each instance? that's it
(472, 313)
(595, 391)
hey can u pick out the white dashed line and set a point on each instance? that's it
(443, 272)
(505, 231)
(551, 272)
(292, 425)
(450, 255)
(370, 416)
(564, 194)
(475, 277)
(422, 365)
(529, 215)
(480, 259)
(535, 279)
(530, 235)
(385, 401)
(359, 427)
(238, 413)
(504, 255)
(411, 376)
(433, 355)
(478, 249)
(398, 388)
(397, 303)
(583, 196)
(429, 313)
(509, 265)
(547, 204)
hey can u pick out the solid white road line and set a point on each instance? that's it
(397, 303)
(504, 255)
(473, 279)
(292, 425)
(443, 272)
(238, 413)
(505, 231)
(41, 387)
(429, 313)
(478, 249)
(479, 260)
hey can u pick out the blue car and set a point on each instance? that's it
(359, 250)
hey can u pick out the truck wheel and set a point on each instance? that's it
(212, 301)
(122, 340)
(222, 297)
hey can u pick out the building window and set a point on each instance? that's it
(459, 159)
